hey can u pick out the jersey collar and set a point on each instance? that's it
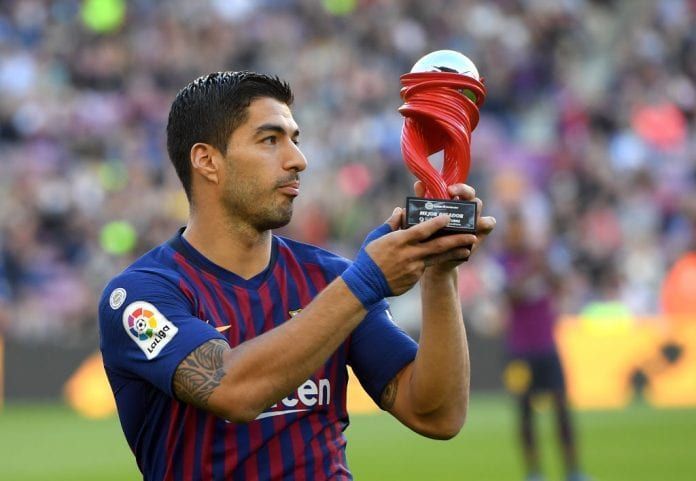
(181, 245)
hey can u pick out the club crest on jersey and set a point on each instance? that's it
(150, 330)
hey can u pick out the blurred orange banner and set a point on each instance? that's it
(603, 359)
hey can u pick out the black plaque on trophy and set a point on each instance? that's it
(462, 214)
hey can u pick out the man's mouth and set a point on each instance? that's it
(291, 188)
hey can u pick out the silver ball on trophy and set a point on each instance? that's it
(448, 61)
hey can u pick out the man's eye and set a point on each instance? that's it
(296, 141)
(270, 140)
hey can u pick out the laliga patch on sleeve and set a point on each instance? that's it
(150, 330)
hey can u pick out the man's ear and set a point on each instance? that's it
(205, 160)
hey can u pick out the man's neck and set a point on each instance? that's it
(234, 246)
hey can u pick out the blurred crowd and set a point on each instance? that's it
(588, 132)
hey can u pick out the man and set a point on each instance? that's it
(227, 346)
(534, 366)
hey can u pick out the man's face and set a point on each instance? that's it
(262, 166)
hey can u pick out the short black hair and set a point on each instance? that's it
(210, 108)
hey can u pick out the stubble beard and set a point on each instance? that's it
(261, 211)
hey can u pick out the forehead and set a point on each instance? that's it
(267, 110)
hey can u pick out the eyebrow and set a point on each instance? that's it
(274, 128)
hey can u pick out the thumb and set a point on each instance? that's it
(394, 221)
(419, 188)
(391, 224)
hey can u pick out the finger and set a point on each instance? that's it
(444, 244)
(424, 230)
(419, 188)
(462, 191)
(485, 225)
(457, 255)
(479, 208)
(394, 220)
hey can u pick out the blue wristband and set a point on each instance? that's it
(364, 278)
(376, 234)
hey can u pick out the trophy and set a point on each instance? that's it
(442, 95)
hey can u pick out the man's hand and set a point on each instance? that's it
(403, 255)
(484, 226)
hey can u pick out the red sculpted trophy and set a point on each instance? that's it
(442, 95)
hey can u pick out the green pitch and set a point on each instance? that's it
(40, 442)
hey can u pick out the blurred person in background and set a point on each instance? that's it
(531, 291)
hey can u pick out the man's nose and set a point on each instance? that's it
(295, 159)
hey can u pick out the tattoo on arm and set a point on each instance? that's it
(200, 373)
(389, 393)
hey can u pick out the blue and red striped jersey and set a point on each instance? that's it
(171, 301)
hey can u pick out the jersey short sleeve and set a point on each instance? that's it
(378, 350)
(147, 327)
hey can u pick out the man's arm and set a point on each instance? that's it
(431, 394)
(201, 372)
(240, 383)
